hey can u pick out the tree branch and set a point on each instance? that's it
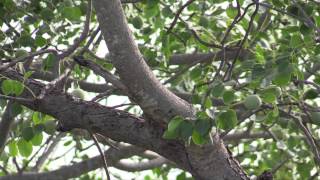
(80, 168)
(6, 121)
(140, 166)
(144, 89)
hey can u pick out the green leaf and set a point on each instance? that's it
(40, 41)
(304, 170)
(198, 139)
(174, 123)
(217, 89)
(277, 3)
(49, 62)
(27, 133)
(26, 40)
(185, 130)
(195, 73)
(315, 118)
(229, 96)
(12, 87)
(172, 131)
(25, 147)
(232, 12)
(37, 117)
(275, 90)
(305, 30)
(47, 14)
(227, 120)
(283, 75)
(268, 97)
(208, 103)
(310, 94)
(282, 79)
(270, 118)
(13, 150)
(16, 109)
(260, 55)
(71, 13)
(170, 135)
(296, 40)
(203, 21)
(202, 126)
(27, 74)
(37, 139)
(50, 127)
(258, 71)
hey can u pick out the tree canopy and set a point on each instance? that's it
(190, 89)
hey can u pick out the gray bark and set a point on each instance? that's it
(6, 121)
(156, 100)
(144, 89)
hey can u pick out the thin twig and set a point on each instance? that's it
(23, 58)
(92, 37)
(105, 165)
(15, 98)
(308, 135)
(229, 72)
(83, 35)
(176, 17)
(121, 105)
(4, 170)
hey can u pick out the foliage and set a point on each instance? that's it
(278, 62)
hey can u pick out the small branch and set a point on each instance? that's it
(212, 45)
(23, 58)
(308, 135)
(104, 160)
(17, 165)
(121, 105)
(232, 24)
(5, 124)
(41, 160)
(100, 71)
(15, 98)
(77, 169)
(129, 1)
(245, 135)
(83, 35)
(4, 170)
(174, 22)
(26, 164)
(279, 165)
(92, 37)
(141, 166)
(308, 20)
(265, 5)
(228, 75)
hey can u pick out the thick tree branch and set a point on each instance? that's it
(205, 162)
(109, 122)
(145, 90)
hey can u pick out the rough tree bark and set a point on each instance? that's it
(208, 162)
